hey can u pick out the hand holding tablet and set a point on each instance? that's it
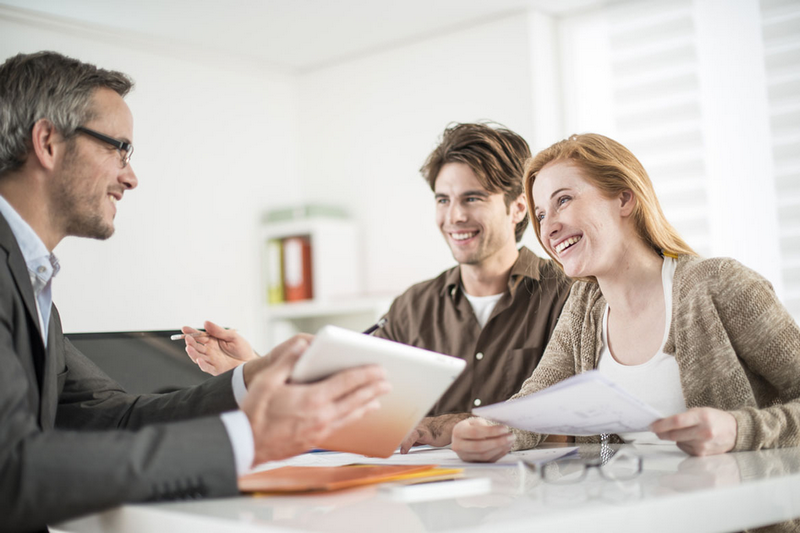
(418, 378)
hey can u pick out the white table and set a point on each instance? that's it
(675, 492)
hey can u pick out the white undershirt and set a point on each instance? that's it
(483, 306)
(657, 381)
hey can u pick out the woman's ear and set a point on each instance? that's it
(627, 201)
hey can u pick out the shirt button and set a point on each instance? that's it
(479, 356)
(41, 270)
(477, 402)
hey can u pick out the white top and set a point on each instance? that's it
(656, 382)
(483, 306)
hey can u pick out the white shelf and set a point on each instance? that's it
(356, 314)
(311, 308)
(336, 282)
(335, 257)
(306, 226)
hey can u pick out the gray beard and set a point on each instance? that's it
(89, 225)
(79, 213)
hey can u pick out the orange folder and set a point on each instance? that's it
(297, 269)
(289, 479)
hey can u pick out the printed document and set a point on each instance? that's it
(583, 405)
(419, 455)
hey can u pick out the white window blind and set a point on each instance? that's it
(657, 107)
(685, 85)
(630, 71)
(781, 32)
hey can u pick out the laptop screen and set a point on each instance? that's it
(141, 361)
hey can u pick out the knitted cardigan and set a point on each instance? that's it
(736, 346)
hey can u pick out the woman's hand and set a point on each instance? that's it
(476, 440)
(699, 431)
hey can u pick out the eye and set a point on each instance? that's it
(472, 199)
(540, 216)
(441, 201)
(563, 199)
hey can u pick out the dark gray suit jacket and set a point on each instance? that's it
(73, 442)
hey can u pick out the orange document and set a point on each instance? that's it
(290, 479)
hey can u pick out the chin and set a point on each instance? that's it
(466, 258)
(458, 254)
(99, 232)
(100, 235)
(105, 232)
(572, 271)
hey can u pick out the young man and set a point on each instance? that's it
(496, 309)
(71, 440)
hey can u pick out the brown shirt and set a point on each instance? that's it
(436, 315)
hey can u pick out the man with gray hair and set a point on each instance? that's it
(71, 440)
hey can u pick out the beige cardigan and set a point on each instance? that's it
(736, 346)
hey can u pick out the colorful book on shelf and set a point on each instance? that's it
(297, 269)
(274, 274)
(293, 479)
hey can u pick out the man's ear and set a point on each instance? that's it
(44, 137)
(518, 209)
(627, 201)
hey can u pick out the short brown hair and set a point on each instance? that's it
(612, 168)
(51, 86)
(496, 155)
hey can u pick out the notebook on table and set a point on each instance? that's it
(289, 479)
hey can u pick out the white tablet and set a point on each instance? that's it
(418, 378)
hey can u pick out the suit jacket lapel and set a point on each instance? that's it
(49, 386)
(19, 271)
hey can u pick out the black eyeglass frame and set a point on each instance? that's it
(121, 146)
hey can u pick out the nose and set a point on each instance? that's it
(456, 213)
(550, 227)
(127, 177)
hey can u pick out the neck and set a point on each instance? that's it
(27, 198)
(491, 275)
(634, 281)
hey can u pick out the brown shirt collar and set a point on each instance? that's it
(526, 266)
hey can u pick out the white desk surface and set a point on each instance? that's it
(675, 492)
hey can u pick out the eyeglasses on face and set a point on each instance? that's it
(125, 149)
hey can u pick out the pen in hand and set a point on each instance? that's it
(181, 336)
(375, 327)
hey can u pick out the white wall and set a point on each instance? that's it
(215, 146)
(367, 126)
(219, 141)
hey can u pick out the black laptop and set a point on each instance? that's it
(141, 361)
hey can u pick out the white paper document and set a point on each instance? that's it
(422, 455)
(583, 405)
(446, 457)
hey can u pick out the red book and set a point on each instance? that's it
(297, 271)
